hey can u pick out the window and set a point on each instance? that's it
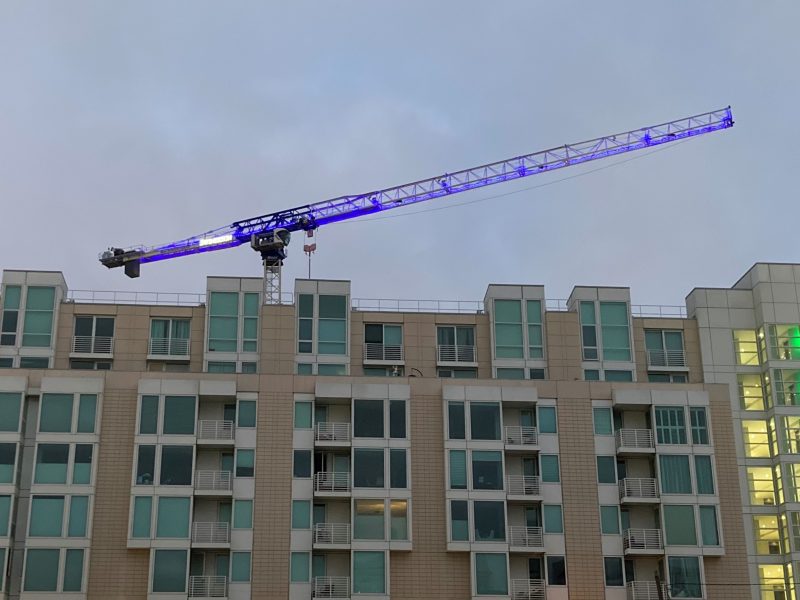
(609, 520)
(368, 467)
(368, 418)
(490, 522)
(484, 420)
(487, 470)
(456, 343)
(5, 513)
(591, 375)
(614, 327)
(331, 370)
(240, 566)
(510, 373)
(757, 439)
(176, 465)
(611, 375)
(589, 331)
(51, 463)
(697, 415)
(84, 365)
(491, 574)
(761, 485)
(245, 463)
(745, 347)
(73, 570)
(78, 513)
(459, 526)
(613, 571)
(38, 324)
(399, 519)
(250, 325)
(397, 468)
(784, 342)
(684, 577)
(169, 571)
(302, 415)
(704, 474)
(602, 421)
(305, 369)
(10, 317)
(666, 378)
(243, 514)
(670, 426)
(368, 520)
(87, 411)
(455, 420)
(751, 392)
(383, 342)
(708, 526)
(664, 348)
(675, 478)
(547, 419)
(299, 567)
(47, 516)
(55, 414)
(148, 415)
(305, 324)
(766, 532)
(301, 514)
(450, 373)
(7, 363)
(173, 517)
(606, 469)
(302, 463)
(145, 464)
(369, 573)
(179, 415)
(41, 570)
(535, 338)
(246, 413)
(169, 337)
(508, 329)
(397, 419)
(93, 335)
(332, 326)
(553, 518)
(82, 467)
(550, 472)
(458, 470)
(142, 511)
(223, 322)
(787, 387)
(679, 525)
(536, 373)
(556, 570)
(10, 403)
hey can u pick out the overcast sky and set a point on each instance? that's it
(146, 122)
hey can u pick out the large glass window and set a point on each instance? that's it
(245, 462)
(148, 415)
(223, 322)
(399, 519)
(614, 327)
(549, 468)
(606, 469)
(456, 343)
(508, 329)
(240, 567)
(397, 468)
(51, 463)
(10, 317)
(708, 525)
(246, 413)
(169, 571)
(757, 439)
(78, 513)
(602, 421)
(368, 520)
(670, 425)
(47, 516)
(458, 469)
(82, 467)
(305, 323)
(745, 347)
(142, 515)
(173, 517)
(459, 523)
(179, 415)
(613, 571)
(55, 414)
(38, 325)
(487, 470)
(145, 464)
(787, 386)
(679, 525)
(176, 465)
(10, 403)
(455, 420)
(8, 455)
(368, 467)
(169, 337)
(589, 331)
(87, 411)
(553, 518)
(41, 570)
(73, 570)
(332, 325)
(784, 342)
(697, 415)
(368, 418)
(675, 477)
(397, 419)
(491, 574)
(535, 337)
(303, 415)
(766, 532)
(684, 577)
(609, 520)
(302, 463)
(556, 570)
(761, 486)
(490, 522)
(547, 419)
(484, 420)
(299, 567)
(243, 514)
(751, 392)
(704, 474)
(369, 573)
(301, 514)
(250, 322)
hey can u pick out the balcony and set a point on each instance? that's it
(642, 542)
(328, 482)
(213, 483)
(635, 441)
(638, 489)
(211, 534)
(643, 590)
(332, 534)
(92, 345)
(332, 434)
(208, 586)
(666, 360)
(456, 355)
(168, 348)
(391, 354)
(331, 587)
(215, 433)
(525, 487)
(525, 539)
(527, 589)
(521, 435)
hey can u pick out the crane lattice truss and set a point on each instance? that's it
(311, 216)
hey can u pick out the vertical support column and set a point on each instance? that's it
(272, 282)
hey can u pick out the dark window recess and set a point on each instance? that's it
(145, 465)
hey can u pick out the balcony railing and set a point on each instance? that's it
(666, 358)
(332, 432)
(634, 439)
(208, 586)
(456, 353)
(213, 481)
(90, 344)
(527, 537)
(385, 352)
(332, 533)
(215, 430)
(522, 435)
(327, 481)
(211, 533)
(644, 590)
(643, 539)
(331, 587)
(638, 487)
(527, 589)
(168, 347)
(523, 485)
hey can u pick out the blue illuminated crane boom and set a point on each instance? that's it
(269, 234)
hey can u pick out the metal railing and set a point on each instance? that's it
(528, 537)
(523, 485)
(521, 434)
(121, 297)
(638, 487)
(642, 539)
(640, 439)
(92, 344)
(666, 358)
(168, 347)
(332, 432)
(328, 481)
(213, 481)
(208, 586)
(332, 533)
(211, 533)
(215, 430)
(527, 589)
(416, 306)
(456, 353)
(331, 587)
(643, 590)
(374, 351)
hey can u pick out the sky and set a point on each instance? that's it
(145, 122)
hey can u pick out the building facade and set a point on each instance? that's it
(164, 446)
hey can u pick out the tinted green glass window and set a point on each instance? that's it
(5, 513)
(535, 339)
(553, 518)
(332, 325)
(301, 514)
(148, 415)
(697, 415)
(242, 514)
(38, 324)
(484, 420)
(302, 463)
(41, 570)
(368, 520)
(614, 328)
(606, 469)
(240, 566)
(547, 419)
(173, 517)
(179, 415)
(51, 463)
(87, 410)
(73, 570)
(142, 511)
(302, 415)
(246, 415)
(670, 425)
(56, 413)
(708, 526)
(489, 521)
(82, 469)
(9, 410)
(612, 375)
(78, 510)
(510, 373)
(602, 421)
(458, 470)
(675, 477)
(704, 474)
(397, 468)
(609, 519)
(550, 473)
(245, 463)
(459, 523)
(508, 329)
(398, 524)
(8, 455)
(369, 573)
(368, 467)
(591, 375)
(47, 516)
(299, 567)
(223, 321)
(679, 525)
(487, 470)
(491, 574)
(169, 571)
(455, 420)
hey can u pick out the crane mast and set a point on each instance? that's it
(270, 234)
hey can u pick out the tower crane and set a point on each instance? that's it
(270, 234)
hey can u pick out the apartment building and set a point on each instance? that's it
(165, 446)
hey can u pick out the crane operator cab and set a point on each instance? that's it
(271, 245)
